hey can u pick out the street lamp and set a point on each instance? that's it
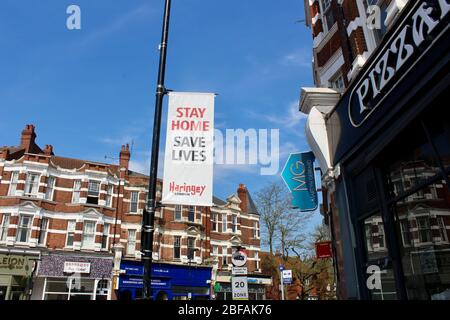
(148, 219)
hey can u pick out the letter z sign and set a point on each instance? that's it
(299, 176)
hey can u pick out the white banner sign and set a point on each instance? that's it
(188, 163)
(77, 267)
(239, 288)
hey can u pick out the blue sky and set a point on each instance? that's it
(89, 91)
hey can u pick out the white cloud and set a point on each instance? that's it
(299, 58)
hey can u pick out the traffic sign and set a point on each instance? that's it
(239, 258)
(281, 267)
(287, 276)
(239, 271)
(239, 288)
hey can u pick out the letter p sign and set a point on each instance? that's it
(74, 20)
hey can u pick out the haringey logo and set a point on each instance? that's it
(400, 51)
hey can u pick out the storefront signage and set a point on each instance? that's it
(401, 52)
(77, 267)
(239, 288)
(239, 259)
(323, 250)
(298, 174)
(188, 165)
(15, 265)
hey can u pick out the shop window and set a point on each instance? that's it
(32, 184)
(134, 202)
(191, 214)
(109, 195)
(50, 188)
(4, 227)
(224, 222)
(43, 231)
(105, 236)
(177, 247)
(177, 213)
(76, 191)
(93, 192)
(102, 290)
(24, 229)
(88, 240)
(131, 246)
(71, 225)
(13, 183)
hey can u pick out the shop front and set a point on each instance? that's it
(169, 281)
(389, 144)
(73, 276)
(15, 276)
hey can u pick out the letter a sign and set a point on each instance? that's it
(188, 163)
(298, 174)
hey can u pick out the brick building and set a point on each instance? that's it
(68, 226)
(376, 128)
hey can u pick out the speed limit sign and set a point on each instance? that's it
(239, 288)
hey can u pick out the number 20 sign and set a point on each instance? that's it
(239, 288)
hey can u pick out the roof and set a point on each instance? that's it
(218, 201)
(251, 207)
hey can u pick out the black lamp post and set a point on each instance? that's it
(148, 218)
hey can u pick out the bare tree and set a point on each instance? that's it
(272, 203)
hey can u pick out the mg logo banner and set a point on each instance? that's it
(298, 174)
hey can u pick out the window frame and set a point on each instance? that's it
(109, 195)
(3, 229)
(76, 193)
(178, 209)
(191, 248)
(90, 192)
(43, 231)
(20, 228)
(49, 195)
(224, 222)
(234, 223)
(105, 236)
(129, 243)
(136, 203)
(176, 247)
(191, 213)
(85, 245)
(215, 222)
(71, 232)
(13, 182)
(34, 186)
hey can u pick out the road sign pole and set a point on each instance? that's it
(281, 285)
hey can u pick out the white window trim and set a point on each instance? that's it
(44, 242)
(175, 213)
(129, 242)
(68, 231)
(5, 215)
(27, 184)
(131, 202)
(29, 228)
(12, 183)
(107, 236)
(76, 191)
(50, 198)
(92, 245)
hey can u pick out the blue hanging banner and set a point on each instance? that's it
(299, 176)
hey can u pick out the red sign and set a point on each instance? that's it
(323, 250)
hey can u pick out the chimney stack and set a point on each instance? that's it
(125, 156)
(242, 194)
(48, 150)
(27, 140)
